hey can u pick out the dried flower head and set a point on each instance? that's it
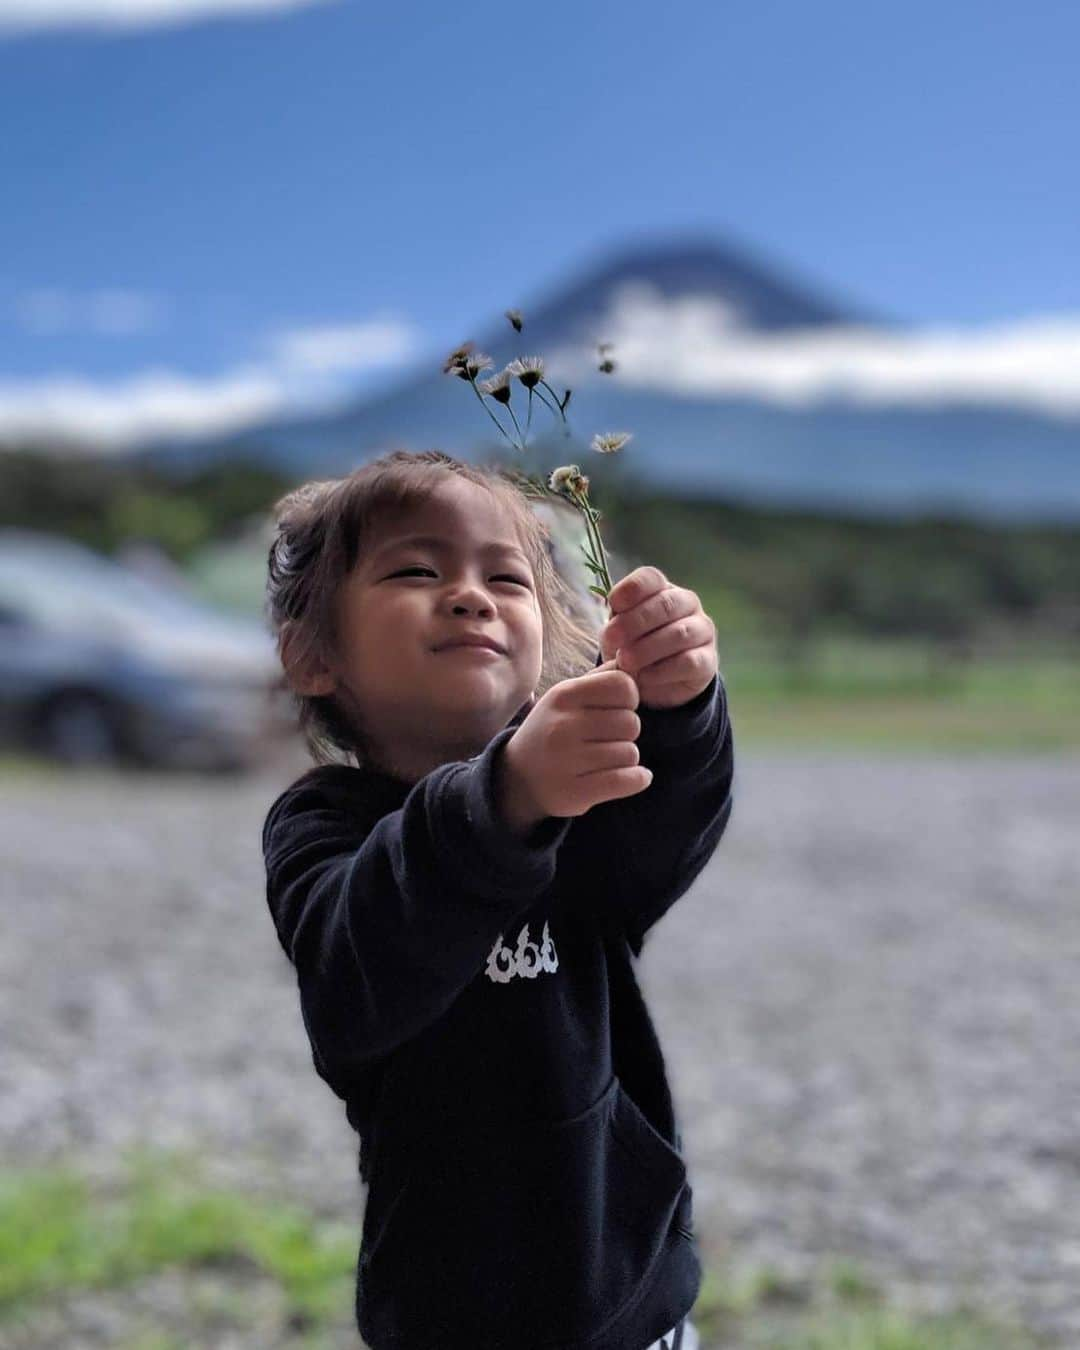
(457, 358)
(569, 479)
(607, 366)
(610, 442)
(560, 478)
(498, 387)
(514, 315)
(528, 369)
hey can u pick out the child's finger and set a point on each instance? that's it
(625, 691)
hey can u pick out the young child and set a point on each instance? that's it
(461, 881)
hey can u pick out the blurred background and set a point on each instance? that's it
(833, 254)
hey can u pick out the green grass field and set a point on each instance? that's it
(893, 696)
(264, 1268)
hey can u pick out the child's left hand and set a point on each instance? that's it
(663, 637)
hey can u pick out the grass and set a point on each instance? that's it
(839, 1308)
(61, 1234)
(889, 696)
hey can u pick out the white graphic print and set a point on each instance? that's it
(526, 959)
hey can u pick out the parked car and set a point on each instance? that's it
(101, 664)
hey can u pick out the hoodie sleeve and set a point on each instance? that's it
(650, 848)
(386, 926)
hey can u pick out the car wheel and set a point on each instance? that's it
(77, 727)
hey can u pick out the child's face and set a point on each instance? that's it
(421, 704)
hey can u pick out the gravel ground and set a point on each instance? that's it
(869, 1003)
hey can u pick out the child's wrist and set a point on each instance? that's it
(517, 807)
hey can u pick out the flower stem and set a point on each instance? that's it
(556, 411)
(479, 395)
(517, 428)
(558, 403)
(528, 420)
(600, 557)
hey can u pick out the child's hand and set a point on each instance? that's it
(574, 748)
(663, 638)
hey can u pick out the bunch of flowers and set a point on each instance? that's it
(568, 481)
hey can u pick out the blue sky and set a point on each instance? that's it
(213, 191)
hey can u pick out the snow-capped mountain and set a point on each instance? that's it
(736, 379)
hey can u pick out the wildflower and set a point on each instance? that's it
(466, 363)
(610, 442)
(474, 363)
(498, 387)
(529, 370)
(572, 483)
(578, 483)
(560, 478)
(457, 358)
(568, 480)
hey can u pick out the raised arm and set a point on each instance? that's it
(645, 851)
(386, 926)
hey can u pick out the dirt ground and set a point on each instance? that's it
(869, 1003)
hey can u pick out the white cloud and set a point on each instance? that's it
(306, 368)
(155, 403)
(50, 312)
(332, 348)
(27, 15)
(695, 346)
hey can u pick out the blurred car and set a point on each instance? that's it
(100, 664)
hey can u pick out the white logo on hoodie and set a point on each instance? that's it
(525, 959)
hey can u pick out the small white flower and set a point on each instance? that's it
(474, 363)
(528, 369)
(610, 442)
(498, 387)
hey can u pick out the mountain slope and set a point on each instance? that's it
(977, 460)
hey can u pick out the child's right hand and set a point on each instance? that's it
(576, 747)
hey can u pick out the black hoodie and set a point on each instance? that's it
(471, 997)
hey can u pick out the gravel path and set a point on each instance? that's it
(869, 1002)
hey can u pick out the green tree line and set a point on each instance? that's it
(803, 574)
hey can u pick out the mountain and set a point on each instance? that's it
(668, 305)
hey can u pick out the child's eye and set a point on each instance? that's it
(406, 570)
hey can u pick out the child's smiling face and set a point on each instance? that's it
(419, 702)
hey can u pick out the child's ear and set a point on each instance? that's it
(314, 678)
(315, 684)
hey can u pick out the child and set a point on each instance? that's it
(460, 881)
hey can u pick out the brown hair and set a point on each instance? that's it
(322, 527)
